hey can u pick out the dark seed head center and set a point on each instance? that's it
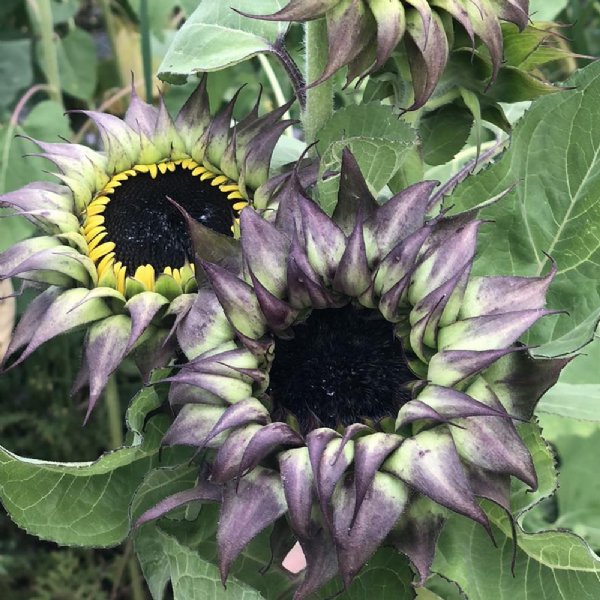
(147, 229)
(342, 366)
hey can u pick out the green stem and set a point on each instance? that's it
(40, 15)
(111, 29)
(275, 86)
(319, 99)
(146, 49)
(135, 577)
(113, 413)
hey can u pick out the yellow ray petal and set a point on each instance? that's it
(105, 263)
(145, 275)
(219, 180)
(101, 250)
(96, 240)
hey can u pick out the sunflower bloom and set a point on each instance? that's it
(360, 382)
(116, 253)
(362, 34)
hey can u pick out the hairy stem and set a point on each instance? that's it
(319, 99)
(292, 70)
(40, 15)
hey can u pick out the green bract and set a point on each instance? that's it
(362, 34)
(116, 255)
(376, 447)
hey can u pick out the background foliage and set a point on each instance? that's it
(73, 54)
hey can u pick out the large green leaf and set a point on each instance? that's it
(554, 162)
(578, 497)
(82, 504)
(46, 122)
(379, 141)
(77, 64)
(164, 558)
(577, 393)
(444, 132)
(191, 533)
(215, 37)
(551, 565)
(523, 498)
(386, 576)
(16, 71)
(572, 400)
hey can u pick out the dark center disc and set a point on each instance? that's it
(147, 229)
(342, 366)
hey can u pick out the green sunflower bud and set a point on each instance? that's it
(126, 226)
(384, 384)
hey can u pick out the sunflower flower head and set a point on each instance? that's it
(357, 383)
(362, 34)
(116, 252)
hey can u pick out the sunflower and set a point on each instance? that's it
(116, 255)
(358, 381)
(362, 34)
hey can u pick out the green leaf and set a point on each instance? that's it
(81, 504)
(77, 62)
(46, 122)
(64, 10)
(522, 498)
(551, 564)
(164, 558)
(287, 150)
(572, 400)
(379, 141)
(577, 393)
(16, 71)
(159, 13)
(193, 530)
(554, 161)
(578, 497)
(546, 10)
(386, 576)
(215, 37)
(444, 132)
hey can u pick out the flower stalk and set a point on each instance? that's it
(40, 15)
(319, 99)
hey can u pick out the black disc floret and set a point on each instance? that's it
(147, 229)
(342, 366)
